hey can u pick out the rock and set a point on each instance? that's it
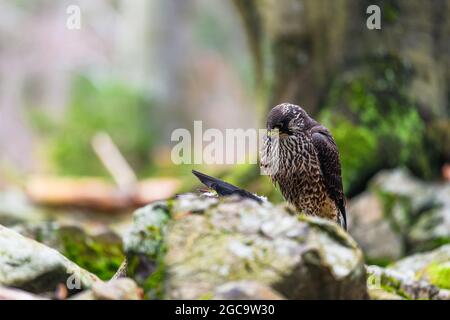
(419, 211)
(145, 249)
(118, 289)
(15, 208)
(208, 243)
(420, 276)
(246, 290)
(408, 214)
(380, 294)
(100, 253)
(89, 239)
(34, 267)
(389, 281)
(367, 225)
(402, 285)
(433, 266)
(16, 294)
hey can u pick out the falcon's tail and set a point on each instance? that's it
(224, 188)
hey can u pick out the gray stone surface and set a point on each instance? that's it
(34, 267)
(208, 243)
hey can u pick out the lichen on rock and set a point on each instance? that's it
(145, 249)
(208, 242)
(409, 214)
(34, 267)
(420, 276)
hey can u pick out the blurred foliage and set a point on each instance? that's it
(126, 115)
(389, 8)
(374, 122)
(438, 140)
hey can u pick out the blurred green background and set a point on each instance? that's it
(138, 70)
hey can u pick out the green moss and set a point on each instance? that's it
(439, 274)
(146, 250)
(356, 155)
(101, 258)
(154, 283)
(206, 296)
(374, 122)
(388, 284)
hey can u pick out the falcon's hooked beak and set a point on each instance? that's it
(278, 131)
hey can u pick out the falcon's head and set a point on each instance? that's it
(287, 125)
(287, 119)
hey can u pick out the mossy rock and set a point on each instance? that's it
(145, 248)
(439, 274)
(101, 254)
(193, 245)
(420, 276)
(34, 267)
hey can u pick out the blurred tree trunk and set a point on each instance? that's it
(311, 42)
(390, 86)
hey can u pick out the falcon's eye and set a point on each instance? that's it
(283, 127)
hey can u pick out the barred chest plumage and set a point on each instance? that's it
(298, 174)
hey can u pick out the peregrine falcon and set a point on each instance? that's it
(301, 157)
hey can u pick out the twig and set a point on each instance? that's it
(113, 160)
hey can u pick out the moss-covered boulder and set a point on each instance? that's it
(98, 252)
(34, 267)
(145, 249)
(420, 276)
(433, 266)
(190, 247)
(367, 224)
(17, 294)
(117, 289)
(409, 214)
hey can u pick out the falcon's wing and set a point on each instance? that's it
(224, 188)
(328, 155)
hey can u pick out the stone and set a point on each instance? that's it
(367, 225)
(193, 247)
(427, 266)
(16, 294)
(144, 249)
(410, 216)
(380, 294)
(419, 276)
(34, 267)
(246, 290)
(101, 252)
(418, 210)
(118, 289)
